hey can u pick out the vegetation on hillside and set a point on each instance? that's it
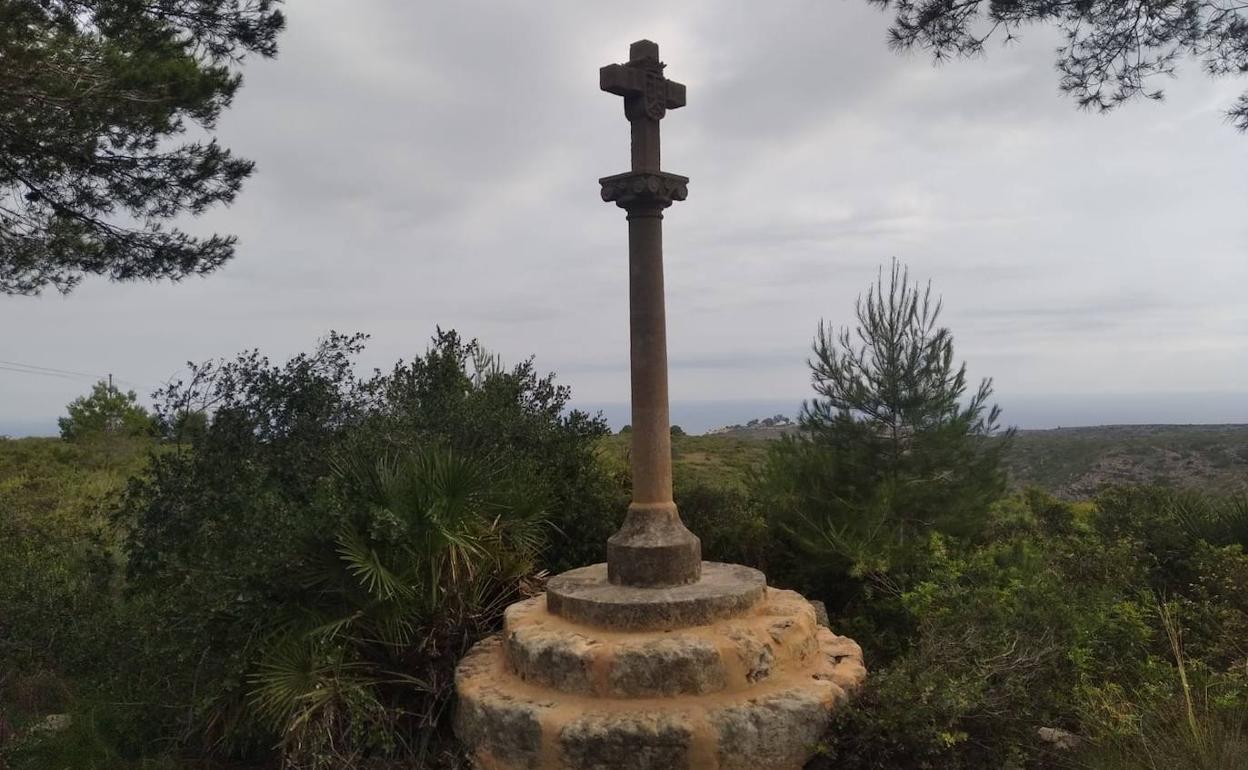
(294, 580)
(1077, 462)
(1072, 463)
(284, 570)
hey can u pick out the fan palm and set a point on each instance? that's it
(430, 548)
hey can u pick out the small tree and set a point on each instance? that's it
(892, 447)
(106, 412)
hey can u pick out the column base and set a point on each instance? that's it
(749, 691)
(653, 549)
(585, 596)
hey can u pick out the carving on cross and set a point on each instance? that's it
(647, 94)
(647, 98)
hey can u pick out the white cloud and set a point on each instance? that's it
(425, 164)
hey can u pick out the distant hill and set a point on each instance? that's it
(1069, 462)
(1075, 462)
(768, 427)
(752, 432)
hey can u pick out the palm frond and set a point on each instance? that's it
(366, 564)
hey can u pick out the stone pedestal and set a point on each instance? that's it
(722, 674)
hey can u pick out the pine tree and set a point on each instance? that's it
(892, 447)
(1112, 50)
(93, 94)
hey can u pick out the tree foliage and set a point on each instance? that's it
(105, 412)
(357, 529)
(1113, 50)
(434, 547)
(892, 447)
(93, 94)
(984, 643)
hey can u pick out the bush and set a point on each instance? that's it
(60, 604)
(256, 520)
(1051, 619)
(57, 567)
(728, 521)
(432, 547)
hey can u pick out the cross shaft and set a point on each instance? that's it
(653, 548)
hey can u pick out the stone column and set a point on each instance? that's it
(652, 442)
(653, 548)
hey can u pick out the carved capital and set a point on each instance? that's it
(644, 189)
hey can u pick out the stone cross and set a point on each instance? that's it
(653, 548)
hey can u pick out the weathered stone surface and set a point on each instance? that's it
(776, 731)
(558, 660)
(681, 665)
(586, 596)
(1060, 739)
(821, 613)
(52, 724)
(653, 549)
(636, 187)
(838, 647)
(776, 635)
(751, 692)
(508, 733)
(633, 741)
(754, 654)
(795, 638)
(502, 727)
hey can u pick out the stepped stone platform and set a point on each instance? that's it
(721, 674)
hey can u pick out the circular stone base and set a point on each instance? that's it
(586, 596)
(753, 692)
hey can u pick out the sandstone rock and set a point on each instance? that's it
(673, 666)
(586, 596)
(821, 613)
(755, 655)
(508, 730)
(559, 660)
(640, 741)
(777, 731)
(750, 692)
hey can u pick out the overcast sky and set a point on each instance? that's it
(423, 164)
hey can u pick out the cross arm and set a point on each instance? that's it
(626, 81)
(621, 80)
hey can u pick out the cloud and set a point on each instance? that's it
(436, 164)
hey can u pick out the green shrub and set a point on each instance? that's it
(107, 412)
(245, 523)
(1201, 726)
(58, 567)
(1050, 619)
(432, 547)
(728, 521)
(1174, 735)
